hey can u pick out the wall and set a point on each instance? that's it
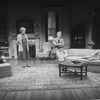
(18, 10)
(72, 14)
(32, 9)
(67, 24)
(82, 11)
(64, 12)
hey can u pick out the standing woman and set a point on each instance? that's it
(23, 48)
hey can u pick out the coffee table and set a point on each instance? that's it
(64, 67)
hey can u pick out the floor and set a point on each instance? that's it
(62, 94)
(68, 94)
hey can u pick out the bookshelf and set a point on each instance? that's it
(78, 37)
(3, 29)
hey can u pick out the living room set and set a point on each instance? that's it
(90, 55)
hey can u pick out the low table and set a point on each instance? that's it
(81, 65)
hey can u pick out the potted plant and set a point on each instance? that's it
(91, 43)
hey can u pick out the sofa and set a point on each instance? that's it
(5, 68)
(91, 55)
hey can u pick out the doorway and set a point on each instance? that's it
(51, 25)
(51, 22)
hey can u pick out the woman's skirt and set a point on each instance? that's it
(23, 55)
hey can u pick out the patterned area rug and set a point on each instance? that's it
(46, 76)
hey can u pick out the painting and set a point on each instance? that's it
(27, 23)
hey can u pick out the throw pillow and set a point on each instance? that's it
(95, 56)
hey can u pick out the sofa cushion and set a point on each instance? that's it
(83, 52)
(94, 62)
(86, 52)
(80, 52)
(73, 52)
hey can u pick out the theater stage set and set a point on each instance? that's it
(79, 22)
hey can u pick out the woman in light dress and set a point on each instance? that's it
(23, 48)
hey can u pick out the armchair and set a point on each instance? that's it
(44, 53)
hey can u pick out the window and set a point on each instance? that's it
(51, 25)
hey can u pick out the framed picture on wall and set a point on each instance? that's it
(27, 23)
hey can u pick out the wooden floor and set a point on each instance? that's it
(68, 94)
(63, 94)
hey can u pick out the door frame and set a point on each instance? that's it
(59, 12)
